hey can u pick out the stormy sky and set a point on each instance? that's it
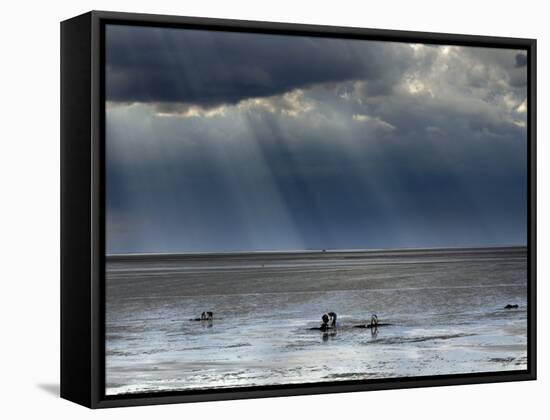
(225, 141)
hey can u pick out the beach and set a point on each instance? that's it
(446, 308)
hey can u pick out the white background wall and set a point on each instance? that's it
(29, 235)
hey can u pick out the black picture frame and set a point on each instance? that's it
(83, 210)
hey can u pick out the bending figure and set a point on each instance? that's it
(207, 316)
(332, 316)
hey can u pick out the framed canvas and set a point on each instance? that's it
(255, 209)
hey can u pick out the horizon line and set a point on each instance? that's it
(307, 251)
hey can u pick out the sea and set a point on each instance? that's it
(442, 311)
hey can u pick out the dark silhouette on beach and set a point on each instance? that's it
(205, 316)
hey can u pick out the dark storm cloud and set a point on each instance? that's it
(212, 68)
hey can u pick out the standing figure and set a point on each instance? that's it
(374, 321)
